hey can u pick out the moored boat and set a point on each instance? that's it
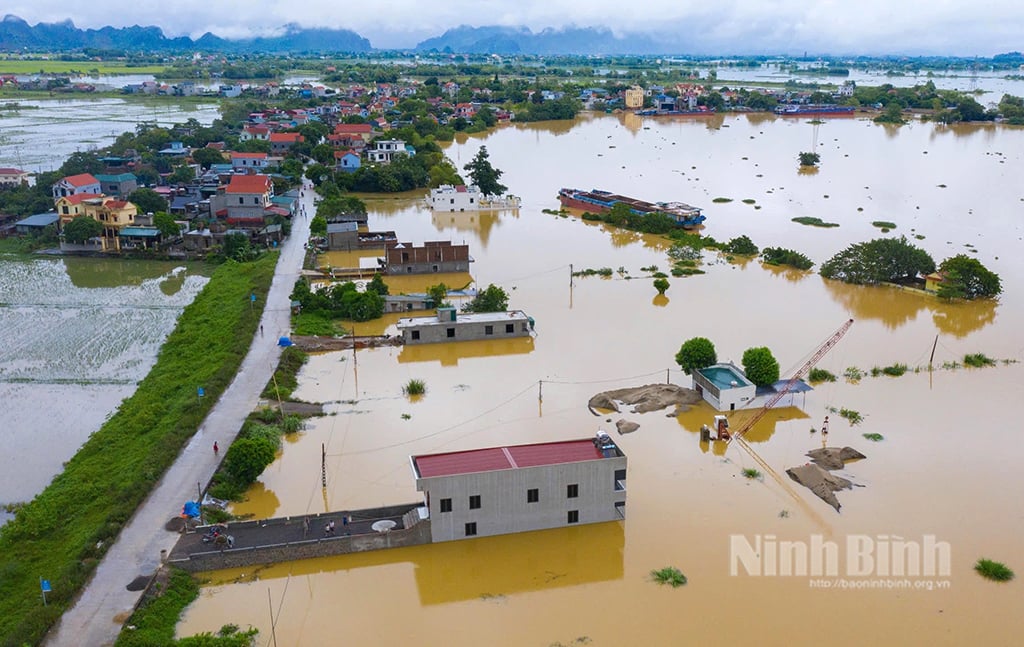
(597, 201)
(812, 110)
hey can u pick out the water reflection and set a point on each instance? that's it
(791, 274)
(895, 307)
(761, 432)
(452, 354)
(660, 300)
(479, 222)
(112, 272)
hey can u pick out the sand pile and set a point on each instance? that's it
(820, 481)
(651, 397)
(834, 458)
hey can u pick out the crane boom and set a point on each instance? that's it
(800, 372)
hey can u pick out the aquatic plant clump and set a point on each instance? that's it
(992, 570)
(814, 222)
(751, 473)
(873, 437)
(669, 575)
(415, 387)
(978, 360)
(821, 375)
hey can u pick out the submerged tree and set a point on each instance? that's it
(695, 354)
(661, 285)
(964, 277)
(485, 176)
(760, 366)
(809, 159)
(492, 299)
(881, 260)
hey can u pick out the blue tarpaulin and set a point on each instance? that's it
(190, 509)
(284, 342)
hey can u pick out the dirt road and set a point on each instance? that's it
(105, 603)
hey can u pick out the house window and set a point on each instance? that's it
(510, 328)
(471, 201)
(532, 495)
(488, 330)
(435, 268)
(65, 210)
(572, 491)
(450, 332)
(446, 505)
(574, 516)
(241, 200)
(474, 502)
(470, 528)
(255, 200)
(415, 335)
(453, 200)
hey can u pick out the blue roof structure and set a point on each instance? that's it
(799, 387)
(38, 220)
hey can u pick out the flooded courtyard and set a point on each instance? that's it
(947, 466)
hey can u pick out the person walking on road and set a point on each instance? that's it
(216, 447)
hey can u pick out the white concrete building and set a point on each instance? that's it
(726, 388)
(455, 198)
(518, 488)
(451, 325)
(386, 150)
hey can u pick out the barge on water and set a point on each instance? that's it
(825, 110)
(686, 216)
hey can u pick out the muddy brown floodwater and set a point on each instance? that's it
(948, 466)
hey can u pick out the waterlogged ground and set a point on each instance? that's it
(948, 465)
(43, 133)
(76, 336)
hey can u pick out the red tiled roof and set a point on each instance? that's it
(353, 128)
(504, 458)
(11, 171)
(285, 137)
(249, 184)
(82, 179)
(80, 197)
(116, 204)
(339, 154)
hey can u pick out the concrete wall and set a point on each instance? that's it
(504, 507)
(433, 256)
(433, 332)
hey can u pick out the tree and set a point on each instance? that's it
(206, 157)
(485, 176)
(760, 366)
(696, 353)
(81, 229)
(147, 200)
(809, 159)
(439, 295)
(891, 260)
(893, 114)
(377, 285)
(182, 174)
(237, 247)
(492, 299)
(318, 225)
(741, 245)
(81, 162)
(966, 278)
(661, 285)
(165, 223)
(323, 153)
(248, 457)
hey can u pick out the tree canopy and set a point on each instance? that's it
(81, 229)
(696, 353)
(966, 278)
(165, 223)
(491, 299)
(881, 260)
(760, 366)
(148, 201)
(485, 176)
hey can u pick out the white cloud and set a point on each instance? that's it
(982, 27)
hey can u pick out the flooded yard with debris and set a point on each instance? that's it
(948, 465)
(76, 336)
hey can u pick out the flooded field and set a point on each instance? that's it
(76, 335)
(948, 465)
(41, 135)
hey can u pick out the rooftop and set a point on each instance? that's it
(39, 219)
(11, 171)
(511, 457)
(464, 318)
(82, 179)
(249, 184)
(249, 156)
(119, 177)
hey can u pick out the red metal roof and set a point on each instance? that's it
(82, 179)
(505, 458)
(249, 184)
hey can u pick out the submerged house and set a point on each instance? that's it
(518, 488)
(451, 325)
(726, 388)
(433, 256)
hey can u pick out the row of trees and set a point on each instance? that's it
(343, 300)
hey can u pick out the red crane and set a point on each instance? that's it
(818, 354)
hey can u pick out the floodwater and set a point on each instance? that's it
(76, 336)
(44, 132)
(948, 465)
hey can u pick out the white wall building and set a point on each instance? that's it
(726, 388)
(451, 325)
(500, 490)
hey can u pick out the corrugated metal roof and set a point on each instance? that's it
(504, 458)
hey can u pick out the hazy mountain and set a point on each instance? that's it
(514, 40)
(16, 34)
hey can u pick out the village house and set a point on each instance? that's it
(259, 132)
(347, 160)
(726, 388)
(120, 184)
(83, 183)
(455, 198)
(346, 237)
(247, 198)
(113, 214)
(450, 325)
(249, 162)
(385, 151)
(175, 149)
(281, 143)
(519, 488)
(364, 131)
(13, 177)
(35, 224)
(433, 257)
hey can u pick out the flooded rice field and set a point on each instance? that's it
(76, 335)
(44, 132)
(948, 466)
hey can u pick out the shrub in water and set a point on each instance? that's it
(993, 570)
(415, 387)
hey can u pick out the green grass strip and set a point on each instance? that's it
(62, 533)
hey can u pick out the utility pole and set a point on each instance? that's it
(323, 465)
(932, 356)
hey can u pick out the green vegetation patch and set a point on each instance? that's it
(978, 360)
(721, 200)
(749, 201)
(782, 256)
(316, 323)
(68, 527)
(286, 378)
(821, 375)
(415, 387)
(604, 272)
(873, 437)
(814, 222)
(751, 473)
(669, 575)
(993, 570)
(884, 225)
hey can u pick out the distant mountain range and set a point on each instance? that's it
(17, 34)
(520, 40)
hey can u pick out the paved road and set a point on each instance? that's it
(105, 603)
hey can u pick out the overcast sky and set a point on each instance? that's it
(959, 27)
